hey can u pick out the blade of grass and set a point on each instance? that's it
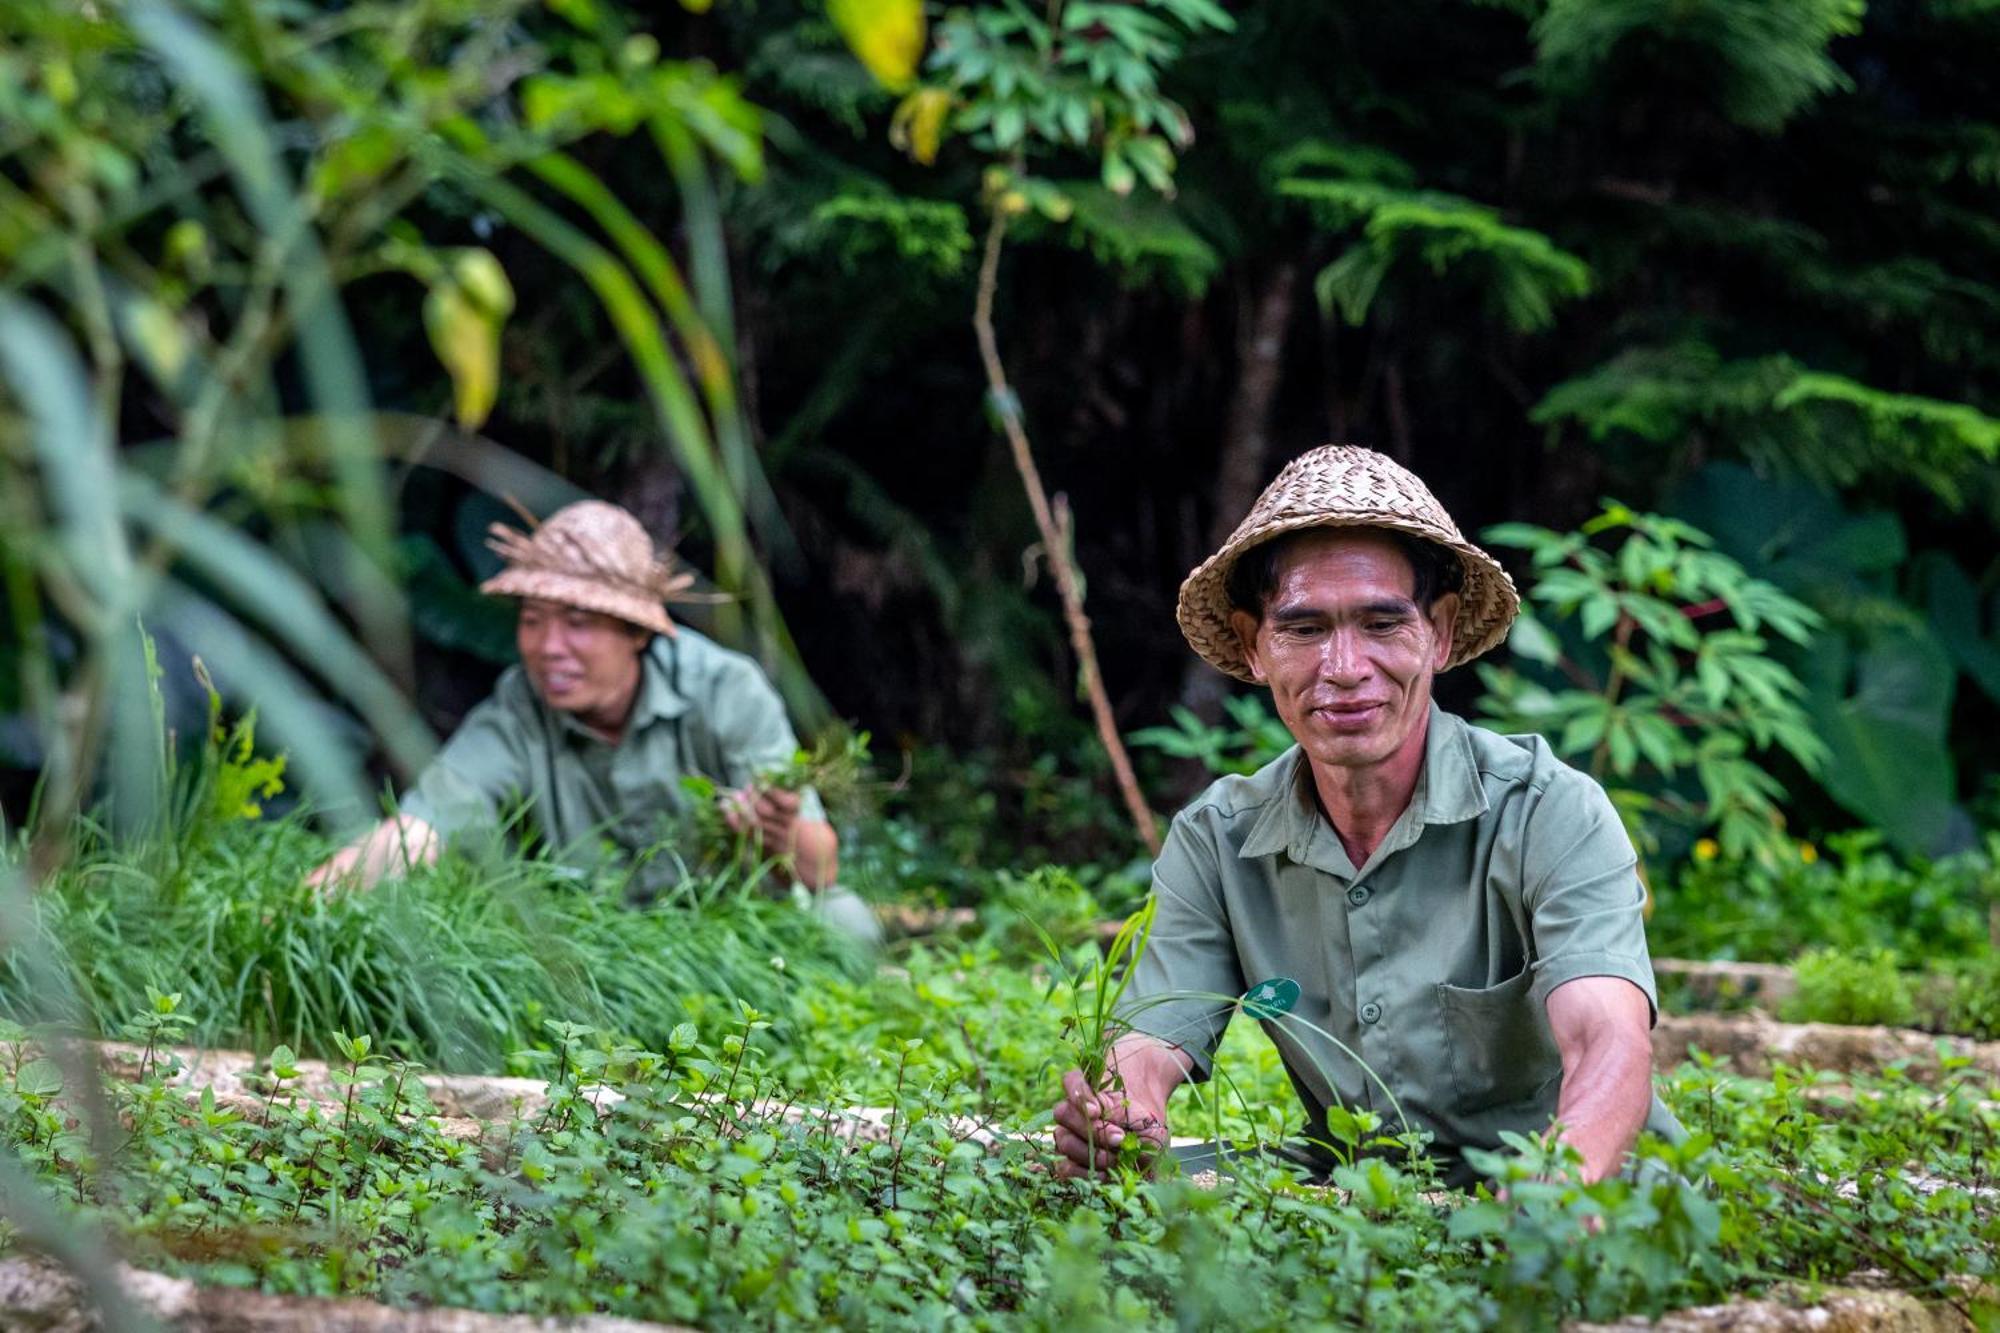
(73, 448)
(240, 128)
(285, 602)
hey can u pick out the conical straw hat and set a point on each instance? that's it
(1338, 486)
(591, 555)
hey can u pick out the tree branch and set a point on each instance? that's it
(1055, 535)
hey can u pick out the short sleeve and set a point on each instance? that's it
(1184, 987)
(484, 764)
(1585, 901)
(752, 731)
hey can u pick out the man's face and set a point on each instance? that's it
(579, 661)
(1346, 650)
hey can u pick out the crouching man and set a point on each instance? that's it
(611, 706)
(1460, 910)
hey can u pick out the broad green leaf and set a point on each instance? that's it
(1530, 638)
(39, 1078)
(1904, 674)
(1890, 772)
(1599, 614)
(1955, 615)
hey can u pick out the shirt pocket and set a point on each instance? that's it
(1502, 1057)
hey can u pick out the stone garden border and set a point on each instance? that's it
(39, 1295)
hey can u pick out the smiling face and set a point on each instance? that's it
(1346, 649)
(581, 662)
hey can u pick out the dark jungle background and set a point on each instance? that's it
(1729, 262)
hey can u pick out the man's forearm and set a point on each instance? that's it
(391, 848)
(1603, 1104)
(1601, 1026)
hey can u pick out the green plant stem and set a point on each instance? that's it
(1614, 685)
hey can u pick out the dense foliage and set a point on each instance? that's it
(665, 1184)
(715, 264)
(948, 338)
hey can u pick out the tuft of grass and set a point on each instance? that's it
(455, 967)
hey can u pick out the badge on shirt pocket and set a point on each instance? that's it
(1272, 999)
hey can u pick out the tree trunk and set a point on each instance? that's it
(1246, 443)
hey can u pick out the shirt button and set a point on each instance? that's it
(1358, 894)
(1371, 1012)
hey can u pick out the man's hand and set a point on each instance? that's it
(771, 816)
(390, 848)
(1094, 1124)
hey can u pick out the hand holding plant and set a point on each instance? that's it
(1114, 1106)
(1123, 1120)
(388, 850)
(768, 814)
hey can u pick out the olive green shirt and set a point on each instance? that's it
(1508, 875)
(700, 709)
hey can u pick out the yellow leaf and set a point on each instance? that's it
(887, 36)
(484, 282)
(159, 337)
(918, 125)
(467, 340)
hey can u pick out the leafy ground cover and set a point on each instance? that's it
(720, 1188)
(679, 1202)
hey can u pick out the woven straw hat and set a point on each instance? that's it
(1343, 486)
(591, 555)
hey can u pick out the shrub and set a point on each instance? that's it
(1969, 998)
(1856, 896)
(1836, 987)
(1653, 671)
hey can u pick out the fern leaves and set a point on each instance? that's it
(1521, 274)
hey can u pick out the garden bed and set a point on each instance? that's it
(1754, 1044)
(38, 1295)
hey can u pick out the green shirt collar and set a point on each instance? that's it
(1448, 792)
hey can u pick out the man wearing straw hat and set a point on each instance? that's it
(611, 706)
(1439, 925)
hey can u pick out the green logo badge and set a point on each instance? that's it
(1268, 999)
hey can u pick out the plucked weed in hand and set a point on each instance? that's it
(1092, 1026)
(835, 768)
